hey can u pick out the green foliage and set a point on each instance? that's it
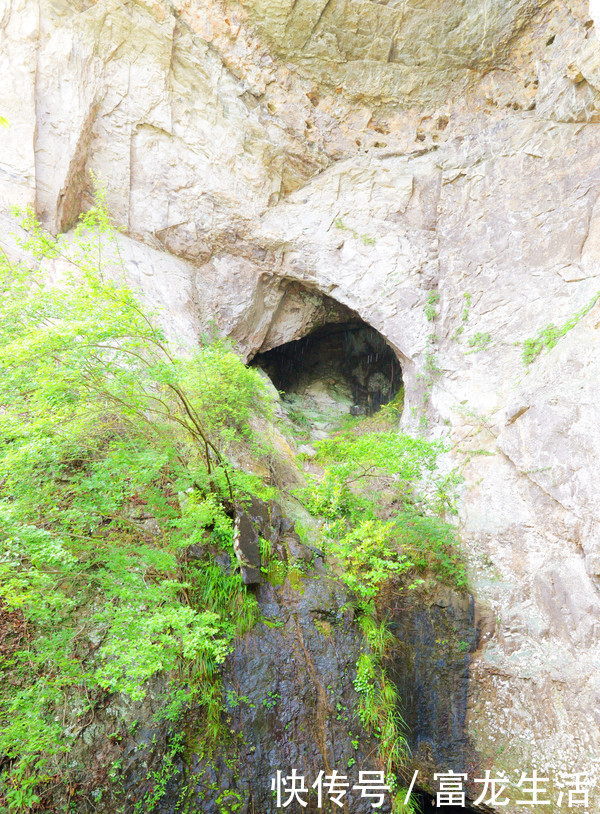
(479, 341)
(273, 568)
(431, 368)
(234, 700)
(230, 801)
(405, 466)
(370, 556)
(431, 544)
(300, 422)
(140, 647)
(270, 702)
(464, 317)
(227, 394)
(161, 776)
(367, 240)
(390, 452)
(113, 461)
(548, 336)
(468, 298)
(113, 457)
(328, 496)
(431, 306)
(379, 704)
(362, 475)
(399, 806)
(377, 635)
(392, 411)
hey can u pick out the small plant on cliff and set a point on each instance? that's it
(378, 709)
(366, 239)
(431, 368)
(467, 299)
(479, 341)
(379, 705)
(548, 336)
(431, 305)
(365, 474)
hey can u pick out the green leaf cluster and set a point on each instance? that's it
(548, 336)
(114, 457)
(431, 305)
(379, 702)
(479, 341)
(363, 476)
(370, 556)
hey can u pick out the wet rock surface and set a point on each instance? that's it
(430, 667)
(288, 696)
(291, 702)
(247, 547)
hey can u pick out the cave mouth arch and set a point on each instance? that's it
(346, 367)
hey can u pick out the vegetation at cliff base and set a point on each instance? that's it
(114, 464)
(384, 500)
(113, 458)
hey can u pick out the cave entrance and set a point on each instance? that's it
(338, 368)
(426, 805)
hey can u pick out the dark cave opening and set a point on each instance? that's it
(426, 804)
(350, 362)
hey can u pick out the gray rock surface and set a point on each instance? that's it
(292, 703)
(289, 697)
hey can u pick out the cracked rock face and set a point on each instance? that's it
(291, 702)
(415, 50)
(369, 154)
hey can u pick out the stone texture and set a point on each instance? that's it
(267, 159)
(291, 700)
(19, 26)
(246, 548)
(418, 51)
(288, 694)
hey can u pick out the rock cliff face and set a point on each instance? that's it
(273, 161)
(291, 699)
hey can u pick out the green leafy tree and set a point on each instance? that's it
(113, 456)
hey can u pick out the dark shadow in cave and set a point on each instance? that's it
(426, 803)
(349, 356)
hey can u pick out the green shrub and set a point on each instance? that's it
(431, 306)
(479, 341)
(370, 556)
(113, 456)
(365, 474)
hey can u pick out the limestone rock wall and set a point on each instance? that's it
(372, 153)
